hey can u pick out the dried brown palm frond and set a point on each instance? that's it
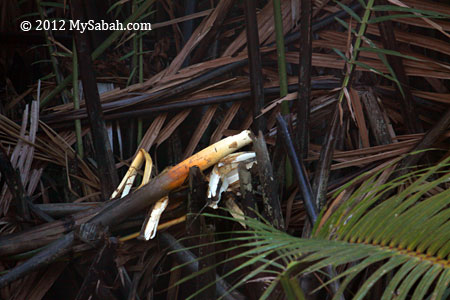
(23, 154)
(190, 106)
(34, 150)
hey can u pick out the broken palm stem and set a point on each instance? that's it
(120, 209)
(255, 65)
(43, 258)
(246, 189)
(76, 99)
(188, 26)
(173, 178)
(302, 178)
(281, 55)
(271, 199)
(81, 114)
(304, 78)
(139, 64)
(103, 152)
(282, 75)
(225, 175)
(42, 235)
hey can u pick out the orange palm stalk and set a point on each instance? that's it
(160, 186)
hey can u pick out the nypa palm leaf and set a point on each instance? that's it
(404, 234)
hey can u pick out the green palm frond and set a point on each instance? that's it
(400, 228)
(368, 18)
(363, 21)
